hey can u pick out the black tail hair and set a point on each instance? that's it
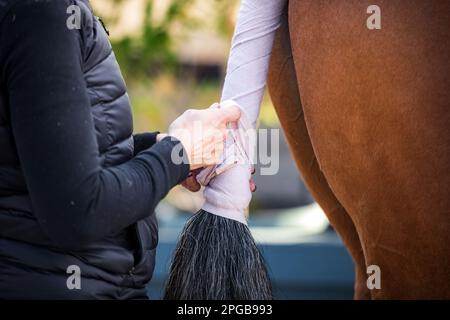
(217, 259)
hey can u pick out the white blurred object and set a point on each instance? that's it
(292, 225)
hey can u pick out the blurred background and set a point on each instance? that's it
(173, 55)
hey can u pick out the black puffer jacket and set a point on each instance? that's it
(116, 257)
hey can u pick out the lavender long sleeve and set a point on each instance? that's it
(228, 194)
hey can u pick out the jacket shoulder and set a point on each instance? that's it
(7, 5)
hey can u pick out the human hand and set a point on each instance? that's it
(203, 132)
(192, 184)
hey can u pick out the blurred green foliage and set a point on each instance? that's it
(150, 50)
(148, 59)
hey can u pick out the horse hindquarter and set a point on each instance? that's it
(286, 99)
(376, 107)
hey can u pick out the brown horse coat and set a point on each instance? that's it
(366, 114)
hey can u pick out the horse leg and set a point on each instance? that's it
(376, 105)
(285, 96)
